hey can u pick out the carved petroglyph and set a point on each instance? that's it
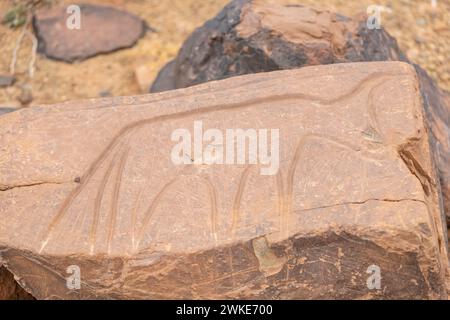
(213, 201)
(118, 151)
(98, 202)
(151, 209)
(347, 194)
(237, 200)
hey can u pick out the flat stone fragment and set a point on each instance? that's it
(92, 185)
(254, 36)
(4, 110)
(102, 29)
(7, 80)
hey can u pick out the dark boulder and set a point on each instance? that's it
(248, 37)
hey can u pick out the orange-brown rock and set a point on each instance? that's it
(92, 184)
(10, 289)
(437, 109)
(253, 36)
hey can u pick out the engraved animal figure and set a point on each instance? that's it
(107, 171)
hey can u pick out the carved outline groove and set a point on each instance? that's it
(120, 138)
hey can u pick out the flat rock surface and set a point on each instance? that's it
(102, 29)
(92, 184)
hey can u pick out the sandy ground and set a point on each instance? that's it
(422, 30)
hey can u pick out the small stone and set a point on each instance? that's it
(7, 80)
(355, 187)
(4, 110)
(421, 22)
(418, 39)
(25, 97)
(102, 29)
(105, 93)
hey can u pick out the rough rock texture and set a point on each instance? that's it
(92, 184)
(10, 289)
(102, 29)
(250, 37)
(437, 107)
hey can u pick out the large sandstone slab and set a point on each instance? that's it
(92, 184)
(254, 36)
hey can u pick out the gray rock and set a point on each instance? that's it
(7, 80)
(4, 110)
(102, 29)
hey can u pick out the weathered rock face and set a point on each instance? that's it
(102, 29)
(10, 289)
(93, 184)
(250, 37)
(437, 109)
